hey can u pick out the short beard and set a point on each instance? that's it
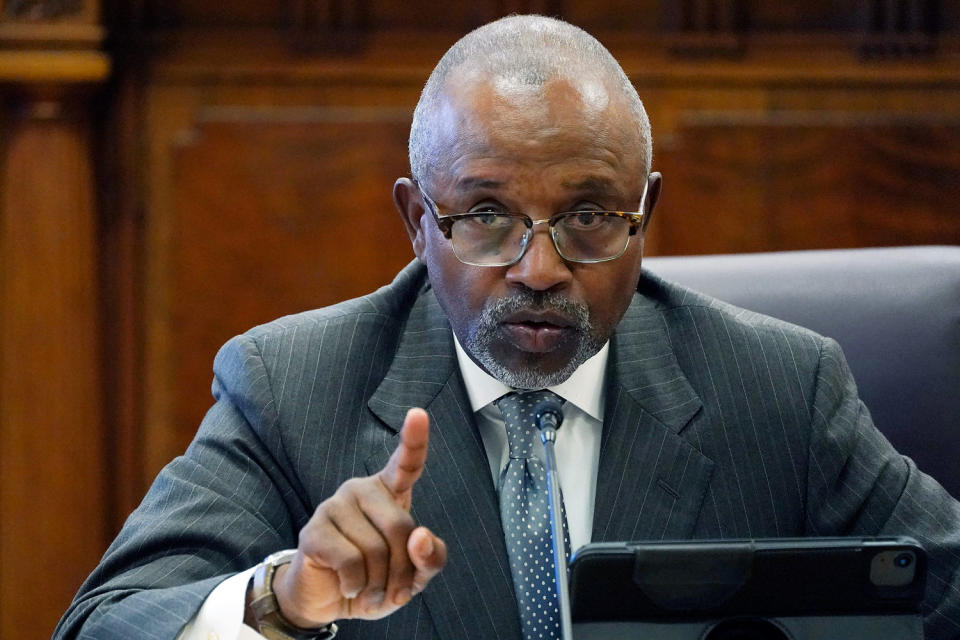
(487, 329)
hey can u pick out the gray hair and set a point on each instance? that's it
(528, 50)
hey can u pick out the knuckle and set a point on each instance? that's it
(379, 556)
(350, 560)
(402, 571)
(371, 545)
(338, 506)
(324, 510)
(305, 537)
(309, 535)
(398, 529)
(350, 485)
(334, 509)
(409, 467)
(347, 491)
(315, 538)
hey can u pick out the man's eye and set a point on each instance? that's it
(487, 208)
(585, 220)
(491, 220)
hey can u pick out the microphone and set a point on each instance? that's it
(548, 415)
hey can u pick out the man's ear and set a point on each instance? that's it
(654, 183)
(406, 197)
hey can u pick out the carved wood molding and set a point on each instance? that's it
(705, 27)
(327, 25)
(543, 7)
(53, 67)
(50, 24)
(899, 28)
(888, 28)
(42, 10)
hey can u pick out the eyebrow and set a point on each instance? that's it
(598, 185)
(467, 184)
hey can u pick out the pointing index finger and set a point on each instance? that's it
(406, 464)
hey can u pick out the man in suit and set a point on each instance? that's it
(366, 438)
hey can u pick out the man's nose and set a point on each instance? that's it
(541, 267)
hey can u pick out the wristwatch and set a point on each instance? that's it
(266, 610)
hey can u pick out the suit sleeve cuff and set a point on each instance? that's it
(221, 616)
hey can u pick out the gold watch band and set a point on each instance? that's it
(266, 610)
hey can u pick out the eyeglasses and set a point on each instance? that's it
(499, 239)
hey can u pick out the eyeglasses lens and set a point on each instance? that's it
(489, 239)
(493, 239)
(592, 237)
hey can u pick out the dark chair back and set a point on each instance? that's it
(895, 312)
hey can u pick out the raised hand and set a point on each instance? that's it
(361, 555)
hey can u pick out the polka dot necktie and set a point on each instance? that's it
(524, 511)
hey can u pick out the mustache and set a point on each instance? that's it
(528, 299)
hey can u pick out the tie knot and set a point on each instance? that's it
(518, 409)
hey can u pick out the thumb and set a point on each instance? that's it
(428, 553)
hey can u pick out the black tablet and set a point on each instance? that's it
(782, 588)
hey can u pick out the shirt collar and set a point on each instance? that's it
(584, 387)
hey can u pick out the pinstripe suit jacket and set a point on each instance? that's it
(719, 423)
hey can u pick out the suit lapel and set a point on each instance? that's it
(650, 485)
(651, 481)
(455, 497)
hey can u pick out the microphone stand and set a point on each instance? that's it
(549, 417)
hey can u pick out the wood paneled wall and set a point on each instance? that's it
(800, 180)
(237, 165)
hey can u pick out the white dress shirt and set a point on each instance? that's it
(578, 457)
(578, 439)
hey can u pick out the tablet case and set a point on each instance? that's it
(771, 589)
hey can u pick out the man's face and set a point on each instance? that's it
(565, 146)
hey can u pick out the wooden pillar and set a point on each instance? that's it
(52, 436)
(51, 443)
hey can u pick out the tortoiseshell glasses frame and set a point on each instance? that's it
(499, 239)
